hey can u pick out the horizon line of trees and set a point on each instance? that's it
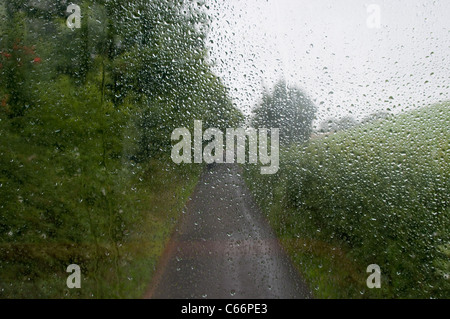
(290, 109)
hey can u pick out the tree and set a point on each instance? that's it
(333, 125)
(380, 115)
(289, 109)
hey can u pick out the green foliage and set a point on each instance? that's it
(86, 117)
(378, 192)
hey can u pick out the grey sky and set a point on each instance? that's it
(326, 48)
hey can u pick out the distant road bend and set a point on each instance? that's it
(224, 248)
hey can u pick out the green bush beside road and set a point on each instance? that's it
(376, 194)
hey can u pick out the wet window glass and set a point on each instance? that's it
(224, 149)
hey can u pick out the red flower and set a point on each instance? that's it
(37, 60)
(6, 55)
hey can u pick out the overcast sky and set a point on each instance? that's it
(327, 48)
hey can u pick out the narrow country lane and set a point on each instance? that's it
(224, 248)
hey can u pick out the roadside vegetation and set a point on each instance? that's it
(373, 194)
(85, 123)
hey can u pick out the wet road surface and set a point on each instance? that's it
(224, 248)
